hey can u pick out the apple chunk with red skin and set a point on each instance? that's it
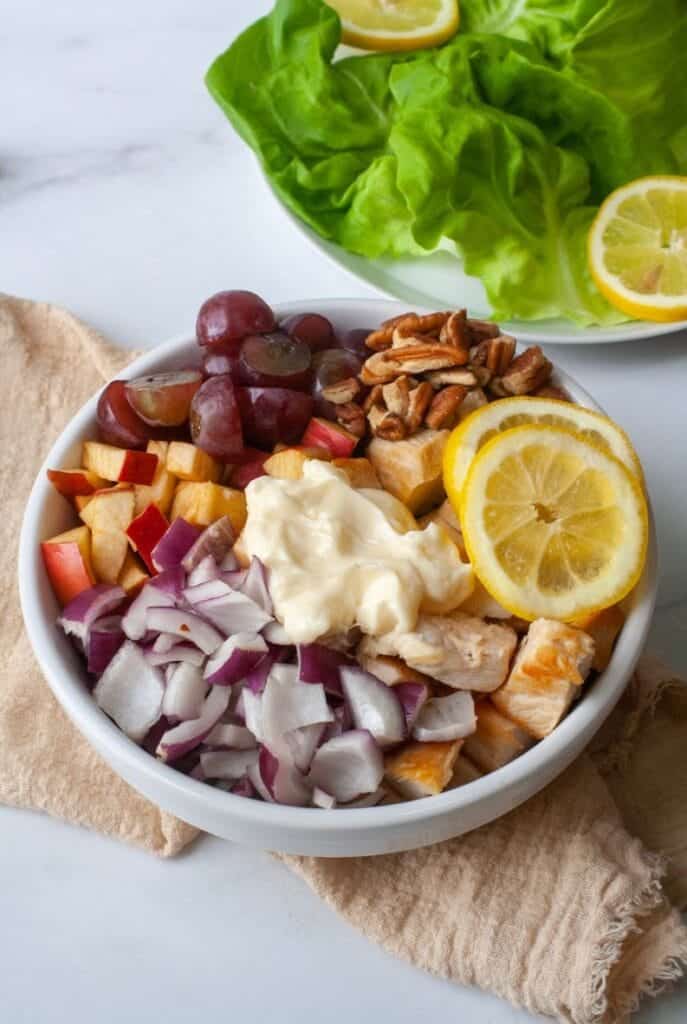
(108, 514)
(337, 440)
(121, 465)
(67, 560)
(72, 482)
(145, 531)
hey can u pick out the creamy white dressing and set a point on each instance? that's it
(340, 557)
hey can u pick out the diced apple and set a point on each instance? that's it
(73, 482)
(67, 560)
(190, 463)
(80, 501)
(411, 469)
(110, 509)
(421, 769)
(132, 576)
(288, 463)
(496, 741)
(251, 469)
(121, 465)
(161, 491)
(603, 627)
(108, 551)
(337, 440)
(360, 472)
(202, 503)
(145, 531)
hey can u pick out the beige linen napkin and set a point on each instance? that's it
(562, 906)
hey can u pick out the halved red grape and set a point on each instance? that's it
(117, 421)
(270, 415)
(230, 316)
(354, 341)
(331, 366)
(315, 330)
(274, 361)
(215, 419)
(220, 359)
(163, 399)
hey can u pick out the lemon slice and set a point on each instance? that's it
(396, 24)
(638, 248)
(554, 526)
(496, 417)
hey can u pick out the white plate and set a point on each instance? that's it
(438, 281)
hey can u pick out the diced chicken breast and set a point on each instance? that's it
(465, 771)
(603, 627)
(550, 667)
(392, 671)
(421, 769)
(462, 651)
(496, 741)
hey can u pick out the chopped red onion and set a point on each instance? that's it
(228, 736)
(228, 764)
(188, 735)
(255, 778)
(342, 722)
(174, 544)
(215, 541)
(320, 664)
(255, 587)
(374, 706)
(234, 577)
(164, 642)
(233, 613)
(290, 704)
(412, 697)
(235, 659)
(275, 633)
(130, 691)
(252, 713)
(348, 766)
(446, 718)
(135, 620)
(244, 787)
(283, 781)
(206, 591)
(229, 563)
(171, 581)
(184, 693)
(184, 624)
(83, 610)
(205, 571)
(321, 799)
(104, 640)
(302, 743)
(188, 653)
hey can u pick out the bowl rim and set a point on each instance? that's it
(117, 749)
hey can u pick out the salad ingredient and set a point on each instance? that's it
(187, 462)
(234, 613)
(144, 533)
(336, 560)
(119, 464)
(215, 419)
(320, 664)
(186, 736)
(446, 718)
(130, 691)
(354, 341)
(229, 736)
(161, 490)
(273, 415)
(331, 366)
(374, 706)
(372, 25)
(204, 503)
(227, 317)
(117, 422)
(496, 741)
(421, 769)
(212, 546)
(255, 587)
(81, 612)
(338, 441)
(185, 625)
(312, 329)
(161, 592)
(281, 781)
(184, 693)
(221, 359)
(273, 361)
(603, 627)
(227, 764)
(347, 766)
(74, 481)
(413, 697)
(163, 399)
(638, 248)
(411, 469)
(549, 670)
(108, 515)
(177, 653)
(288, 463)
(104, 640)
(289, 704)
(67, 561)
(237, 656)
(173, 546)
(554, 526)
(360, 472)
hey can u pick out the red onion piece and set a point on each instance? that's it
(252, 713)
(285, 784)
(228, 764)
(412, 697)
(255, 778)
(302, 743)
(174, 544)
(188, 735)
(188, 653)
(130, 691)
(104, 640)
(186, 625)
(289, 704)
(235, 659)
(321, 799)
(255, 587)
(81, 612)
(229, 563)
(244, 787)
(320, 664)
(348, 766)
(374, 706)
(234, 577)
(233, 613)
(342, 722)
(206, 570)
(135, 620)
(164, 642)
(446, 718)
(206, 591)
(228, 736)
(171, 581)
(215, 540)
(184, 693)
(275, 633)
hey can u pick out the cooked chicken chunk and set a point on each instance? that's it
(411, 469)
(550, 667)
(465, 771)
(603, 627)
(459, 650)
(421, 769)
(496, 741)
(393, 671)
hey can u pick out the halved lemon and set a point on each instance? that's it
(554, 525)
(496, 417)
(396, 24)
(637, 248)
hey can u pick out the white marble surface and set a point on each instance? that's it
(125, 196)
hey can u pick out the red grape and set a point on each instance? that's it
(215, 419)
(331, 366)
(354, 341)
(315, 330)
(270, 415)
(230, 316)
(274, 361)
(117, 421)
(163, 399)
(220, 359)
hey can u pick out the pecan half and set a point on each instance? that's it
(418, 403)
(455, 331)
(342, 392)
(414, 328)
(495, 354)
(443, 412)
(528, 372)
(396, 394)
(439, 378)
(482, 329)
(380, 339)
(386, 366)
(352, 417)
(385, 424)
(374, 397)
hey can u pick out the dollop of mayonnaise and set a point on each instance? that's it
(340, 557)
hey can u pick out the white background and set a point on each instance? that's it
(125, 195)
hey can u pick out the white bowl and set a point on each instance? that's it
(293, 829)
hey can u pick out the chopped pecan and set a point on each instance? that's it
(443, 412)
(527, 373)
(439, 378)
(352, 417)
(418, 403)
(374, 396)
(386, 366)
(415, 328)
(455, 331)
(380, 339)
(495, 354)
(551, 391)
(395, 395)
(385, 424)
(482, 329)
(342, 392)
